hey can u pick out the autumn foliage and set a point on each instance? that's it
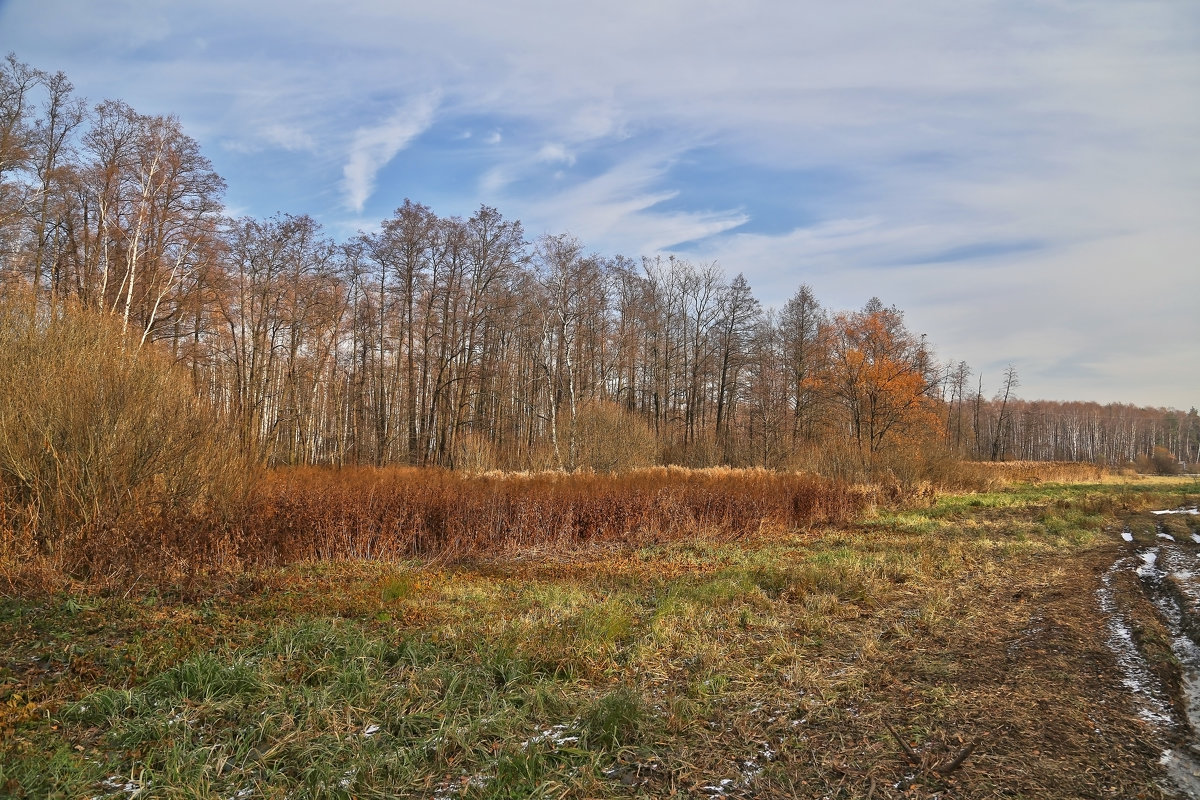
(884, 377)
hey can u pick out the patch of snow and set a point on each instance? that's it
(1149, 557)
(557, 736)
(1196, 538)
(1193, 511)
(453, 789)
(1166, 536)
(1127, 535)
(1135, 674)
(718, 790)
(118, 783)
(1183, 771)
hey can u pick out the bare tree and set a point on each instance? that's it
(801, 324)
(1011, 382)
(737, 319)
(17, 83)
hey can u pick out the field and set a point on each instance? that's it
(947, 645)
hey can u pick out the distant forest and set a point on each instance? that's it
(463, 343)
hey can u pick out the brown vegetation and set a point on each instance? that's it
(988, 475)
(102, 448)
(395, 513)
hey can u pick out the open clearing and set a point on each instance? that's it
(962, 650)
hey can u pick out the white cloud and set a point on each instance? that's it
(373, 147)
(291, 138)
(555, 153)
(595, 122)
(494, 181)
(619, 211)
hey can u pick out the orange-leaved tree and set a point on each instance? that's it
(883, 377)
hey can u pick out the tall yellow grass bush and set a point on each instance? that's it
(104, 449)
(610, 439)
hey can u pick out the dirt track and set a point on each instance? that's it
(1160, 658)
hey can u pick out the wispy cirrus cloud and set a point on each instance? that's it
(373, 147)
(556, 153)
(622, 209)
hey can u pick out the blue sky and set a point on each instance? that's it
(1021, 178)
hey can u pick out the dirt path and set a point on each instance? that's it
(1158, 648)
(1080, 679)
(1064, 722)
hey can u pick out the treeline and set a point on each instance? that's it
(1153, 439)
(461, 343)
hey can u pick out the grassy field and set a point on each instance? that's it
(956, 650)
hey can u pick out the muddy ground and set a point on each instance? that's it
(1151, 598)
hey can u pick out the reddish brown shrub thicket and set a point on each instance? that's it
(396, 513)
(306, 514)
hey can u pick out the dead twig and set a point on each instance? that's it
(908, 751)
(957, 761)
(922, 764)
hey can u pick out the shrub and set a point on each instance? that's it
(310, 513)
(1165, 462)
(610, 439)
(103, 446)
(1158, 462)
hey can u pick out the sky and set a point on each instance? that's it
(1021, 178)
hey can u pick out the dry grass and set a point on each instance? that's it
(992, 475)
(311, 514)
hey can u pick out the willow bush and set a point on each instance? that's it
(105, 451)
